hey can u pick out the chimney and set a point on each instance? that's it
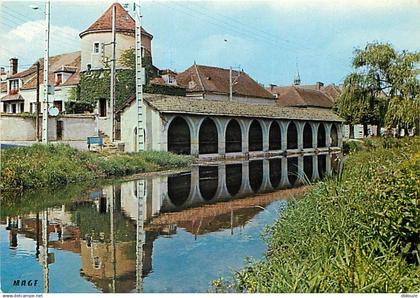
(272, 86)
(13, 66)
(319, 85)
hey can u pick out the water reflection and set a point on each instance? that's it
(113, 229)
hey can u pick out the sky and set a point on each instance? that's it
(269, 40)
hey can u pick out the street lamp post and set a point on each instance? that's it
(46, 74)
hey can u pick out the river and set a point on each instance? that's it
(163, 233)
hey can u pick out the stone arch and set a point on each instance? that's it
(255, 136)
(207, 137)
(179, 188)
(179, 136)
(256, 174)
(321, 136)
(208, 181)
(292, 137)
(307, 136)
(233, 178)
(233, 137)
(334, 135)
(274, 139)
(275, 172)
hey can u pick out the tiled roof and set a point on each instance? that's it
(184, 105)
(331, 91)
(124, 22)
(14, 97)
(300, 97)
(71, 60)
(209, 79)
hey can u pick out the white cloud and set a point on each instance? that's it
(27, 41)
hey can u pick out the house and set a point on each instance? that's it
(212, 83)
(19, 89)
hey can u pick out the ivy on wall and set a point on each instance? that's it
(95, 84)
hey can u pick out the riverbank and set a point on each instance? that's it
(357, 232)
(52, 166)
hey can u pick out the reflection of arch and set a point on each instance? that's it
(207, 137)
(274, 141)
(275, 171)
(255, 174)
(322, 165)
(233, 178)
(334, 136)
(233, 137)
(179, 188)
(208, 181)
(308, 167)
(292, 170)
(255, 136)
(179, 136)
(291, 136)
(321, 139)
(307, 136)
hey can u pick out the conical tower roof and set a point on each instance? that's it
(124, 22)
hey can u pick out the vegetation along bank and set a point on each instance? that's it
(56, 165)
(357, 232)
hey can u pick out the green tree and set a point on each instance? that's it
(383, 89)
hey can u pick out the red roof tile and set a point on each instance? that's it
(294, 96)
(209, 79)
(124, 22)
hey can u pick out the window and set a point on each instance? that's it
(22, 107)
(4, 107)
(58, 79)
(96, 47)
(102, 107)
(13, 86)
(59, 105)
(14, 108)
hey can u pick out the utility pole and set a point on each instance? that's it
(112, 91)
(140, 78)
(46, 58)
(37, 102)
(140, 235)
(230, 84)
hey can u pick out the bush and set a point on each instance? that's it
(54, 165)
(358, 233)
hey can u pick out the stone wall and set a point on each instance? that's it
(15, 127)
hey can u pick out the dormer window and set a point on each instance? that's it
(58, 78)
(96, 47)
(13, 87)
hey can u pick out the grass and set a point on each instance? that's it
(39, 166)
(358, 232)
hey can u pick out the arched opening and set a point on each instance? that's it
(321, 139)
(334, 136)
(207, 137)
(307, 136)
(255, 174)
(208, 181)
(292, 170)
(179, 138)
(233, 139)
(291, 136)
(255, 137)
(275, 172)
(322, 165)
(307, 167)
(179, 187)
(274, 140)
(233, 178)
